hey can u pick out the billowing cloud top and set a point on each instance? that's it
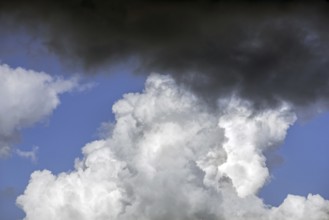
(265, 51)
(170, 157)
(26, 97)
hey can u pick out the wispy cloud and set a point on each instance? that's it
(30, 155)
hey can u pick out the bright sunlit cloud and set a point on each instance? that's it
(169, 157)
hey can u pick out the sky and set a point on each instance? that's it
(142, 123)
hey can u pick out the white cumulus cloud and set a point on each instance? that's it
(168, 157)
(26, 97)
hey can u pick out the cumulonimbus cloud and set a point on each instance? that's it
(26, 97)
(170, 157)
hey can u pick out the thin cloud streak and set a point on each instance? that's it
(30, 155)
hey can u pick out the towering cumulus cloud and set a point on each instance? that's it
(171, 157)
(26, 97)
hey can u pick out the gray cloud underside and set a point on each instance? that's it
(265, 52)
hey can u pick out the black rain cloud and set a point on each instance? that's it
(264, 51)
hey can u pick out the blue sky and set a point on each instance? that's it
(302, 165)
(305, 166)
(61, 137)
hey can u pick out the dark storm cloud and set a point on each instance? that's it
(265, 51)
